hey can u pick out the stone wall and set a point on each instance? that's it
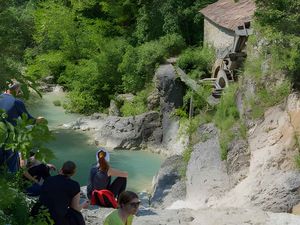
(216, 35)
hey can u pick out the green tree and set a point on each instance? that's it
(157, 18)
(282, 15)
(279, 23)
(99, 48)
(16, 27)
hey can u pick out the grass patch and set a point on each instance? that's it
(186, 158)
(138, 105)
(226, 117)
(225, 140)
(267, 97)
(197, 62)
(243, 129)
(57, 103)
(297, 158)
(253, 67)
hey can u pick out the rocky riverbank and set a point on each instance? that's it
(258, 184)
(153, 130)
(268, 189)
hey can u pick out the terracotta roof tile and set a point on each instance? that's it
(230, 14)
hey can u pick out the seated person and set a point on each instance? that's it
(100, 176)
(61, 195)
(128, 206)
(36, 172)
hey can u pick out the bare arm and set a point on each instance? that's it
(51, 166)
(117, 173)
(76, 205)
(29, 177)
(26, 173)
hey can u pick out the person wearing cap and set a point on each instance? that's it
(14, 108)
(101, 173)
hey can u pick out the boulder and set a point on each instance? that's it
(125, 97)
(153, 100)
(207, 178)
(171, 88)
(113, 109)
(174, 142)
(238, 161)
(167, 185)
(130, 132)
(273, 181)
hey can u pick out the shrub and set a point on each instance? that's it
(81, 102)
(278, 23)
(200, 102)
(297, 143)
(181, 112)
(197, 62)
(253, 67)
(268, 96)
(57, 102)
(138, 105)
(186, 155)
(172, 43)
(264, 67)
(297, 159)
(226, 117)
(14, 206)
(138, 65)
(46, 64)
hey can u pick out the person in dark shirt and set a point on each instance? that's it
(100, 176)
(14, 108)
(36, 172)
(61, 195)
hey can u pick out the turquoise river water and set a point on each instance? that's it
(74, 145)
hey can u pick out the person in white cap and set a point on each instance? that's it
(101, 173)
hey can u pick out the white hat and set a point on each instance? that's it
(103, 150)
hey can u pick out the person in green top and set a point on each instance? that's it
(128, 206)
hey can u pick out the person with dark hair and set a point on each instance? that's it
(36, 172)
(128, 206)
(100, 176)
(14, 108)
(61, 195)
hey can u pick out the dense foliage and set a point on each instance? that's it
(24, 138)
(95, 49)
(99, 48)
(16, 28)
(14, 206)
(197, 62)
(279, 23)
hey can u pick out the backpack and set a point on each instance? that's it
(104, 198)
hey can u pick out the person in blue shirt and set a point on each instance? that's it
(14, 108)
